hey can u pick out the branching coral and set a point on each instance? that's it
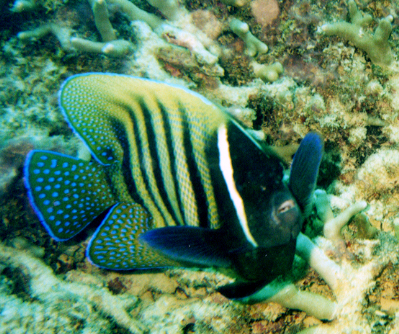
(267, 73)
(376, 46)
(254, 46)
(23, 5)
(114, 47)
(49, 290)
(63, 34)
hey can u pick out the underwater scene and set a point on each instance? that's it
(199, 166)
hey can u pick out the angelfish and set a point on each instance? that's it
(178, 180)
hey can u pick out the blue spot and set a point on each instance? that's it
(40, 164)
(55, 194)
(46, 202)
(46, 171)
(42, 196)
(43, 157)
(36, 171)
(40, 179)
(65, 165)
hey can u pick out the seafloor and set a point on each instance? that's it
(330, 84)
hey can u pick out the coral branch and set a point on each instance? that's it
(117, 48)
(254, 45)
(169, 8)
(376, 46)
(101, 18)
(288, 295)
(268, 73)
(23, 5)
(61, 33)
(332, 226)
(319, 261)
(49, 289)
(134, 13)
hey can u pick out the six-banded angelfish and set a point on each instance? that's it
(184, 183)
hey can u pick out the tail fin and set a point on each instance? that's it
(66, 193)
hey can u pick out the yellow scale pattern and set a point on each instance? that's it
(100, 108)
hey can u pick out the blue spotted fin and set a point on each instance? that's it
(304, 170)
(66, 193)
(115, 244)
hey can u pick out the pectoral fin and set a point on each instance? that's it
(196, 245)
(304, 170)
(240, 289)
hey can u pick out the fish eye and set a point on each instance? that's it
(285, 206)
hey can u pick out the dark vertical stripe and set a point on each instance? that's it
(195, 176)
(172, 158)
(120, 134)
(139, 160)
(157, 170)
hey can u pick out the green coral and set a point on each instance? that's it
(254, 46)
(376, 46)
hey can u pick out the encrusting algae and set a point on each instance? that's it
(312, 66)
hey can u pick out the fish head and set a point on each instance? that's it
(267, 212)
(276, 221)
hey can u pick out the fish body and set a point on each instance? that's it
(184, 183)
